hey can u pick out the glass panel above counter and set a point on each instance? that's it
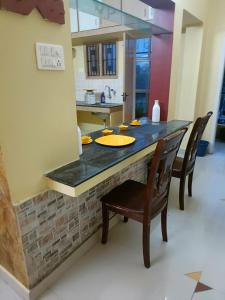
(94, 14)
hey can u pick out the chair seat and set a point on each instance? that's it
(128, 199)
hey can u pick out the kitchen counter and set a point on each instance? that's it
(105, 105)
(99, 107)
(98, 162)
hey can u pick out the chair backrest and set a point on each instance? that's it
(192, 146)
(160, 172)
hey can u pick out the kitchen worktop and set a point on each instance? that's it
(99, 107)
(104, 105)
(96, 158)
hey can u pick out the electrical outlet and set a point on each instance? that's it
(50, 57)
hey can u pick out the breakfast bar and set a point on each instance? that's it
(67, 216)
(99, 162)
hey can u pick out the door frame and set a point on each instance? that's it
(125, 34)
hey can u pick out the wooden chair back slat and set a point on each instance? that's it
(195, 137)
(160, 171)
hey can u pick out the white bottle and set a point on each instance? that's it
(79, 141)
(156, 112)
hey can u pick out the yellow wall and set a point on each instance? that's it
(200, 10)
(187, 86)
(213, 65)
(37, 126)
(189, 73)
(212, 60)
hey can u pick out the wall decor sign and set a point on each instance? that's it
(52, 10)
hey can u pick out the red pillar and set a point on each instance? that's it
(161, 59)
(160, 73)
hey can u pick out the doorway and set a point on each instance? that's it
(220, 130)
(142, 80)
(136, 76)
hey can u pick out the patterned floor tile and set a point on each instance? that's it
(202, 287)
(195, 275)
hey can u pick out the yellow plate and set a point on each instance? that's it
(115, 140)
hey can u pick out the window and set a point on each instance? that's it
(101, 60)
(93, 68)
(109, 59)
(143, 51)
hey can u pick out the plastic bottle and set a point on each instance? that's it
(156, 112)
(79, 141)
(102, 97)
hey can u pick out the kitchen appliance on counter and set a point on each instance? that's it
(90, 96)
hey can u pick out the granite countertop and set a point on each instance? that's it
(102, 105)
(96, 158)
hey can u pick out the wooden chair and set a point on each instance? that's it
(184, 167)
(143, 202)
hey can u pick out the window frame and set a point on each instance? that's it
(100, 46)
(97, 60)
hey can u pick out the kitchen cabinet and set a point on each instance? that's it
(88, 22)
(138, 9)
(83, 21)
(114, 3)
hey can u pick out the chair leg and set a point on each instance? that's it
(105, 223)
(181, 192)
(125, 219)
(190, 179)
(164, 224)
(146, 246)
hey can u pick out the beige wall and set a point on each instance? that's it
(199, 9)
(37, 126)
(189, 73)
(213, 65)
(188, 76)
(186, 67)
(212, 14)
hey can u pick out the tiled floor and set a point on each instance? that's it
(196, 244)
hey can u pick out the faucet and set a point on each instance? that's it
(109, 91)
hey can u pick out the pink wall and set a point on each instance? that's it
(161, 59)
(160, 73)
